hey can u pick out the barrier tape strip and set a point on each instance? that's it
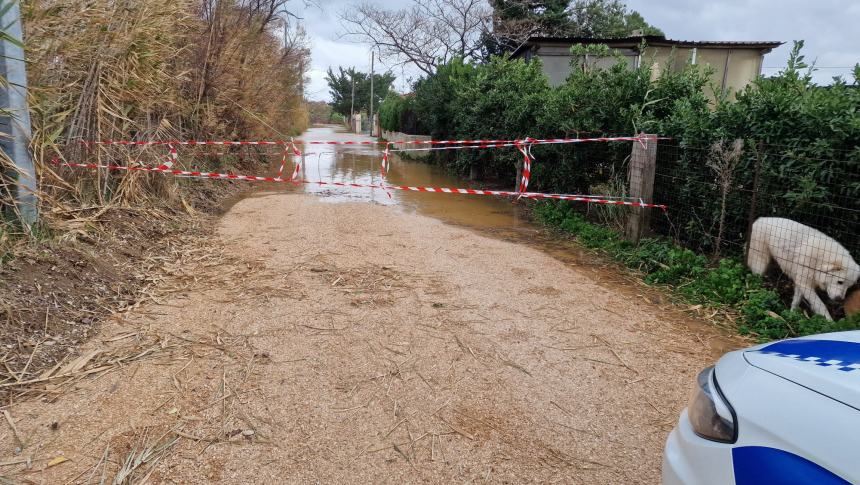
(298, 155)
(445, 190)
(383, 169)
(463, 147)
(483, 143)
(527, 165)
(174, 156)
(283, 162)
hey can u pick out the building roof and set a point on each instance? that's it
(651, 40)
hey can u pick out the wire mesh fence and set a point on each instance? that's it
(763, 205)
(772, 205)
(715, 193)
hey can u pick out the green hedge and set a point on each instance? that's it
(397, 113)
(724, 284)
(804, 139)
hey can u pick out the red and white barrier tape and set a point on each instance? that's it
(483, 143)
(383, 168)
(283, 162)
(463, 147)
(298, 155)
(444, 190)
(174, 155)
(527, 165)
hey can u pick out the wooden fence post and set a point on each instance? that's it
(643, 167)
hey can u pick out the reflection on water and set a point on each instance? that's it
(360, 164)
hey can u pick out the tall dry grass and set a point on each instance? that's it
(151, 69)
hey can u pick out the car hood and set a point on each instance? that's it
(828, 363)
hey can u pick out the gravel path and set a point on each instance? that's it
(354, 343)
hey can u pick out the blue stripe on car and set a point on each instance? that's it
(756, 465)
(844, 356)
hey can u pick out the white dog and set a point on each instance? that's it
(809, 257)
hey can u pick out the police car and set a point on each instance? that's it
(778, 413)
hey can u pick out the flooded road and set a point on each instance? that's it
(316, 337)
(496, 217)
(360, 164)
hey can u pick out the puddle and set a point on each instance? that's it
(495, 217)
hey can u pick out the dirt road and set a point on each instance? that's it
(356, 343)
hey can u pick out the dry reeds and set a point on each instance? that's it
(152, 69)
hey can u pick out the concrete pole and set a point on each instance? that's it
(352, 101)
(17, 126)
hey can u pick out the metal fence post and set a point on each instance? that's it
(17, 125)
(643, 168)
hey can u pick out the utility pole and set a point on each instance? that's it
(371, 93)
(17, 123)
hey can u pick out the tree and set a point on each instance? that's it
(606, 19)
(514, 21)
(635, 21)
(427, 35)
(319, 112)
(515, 17)
(340, 87)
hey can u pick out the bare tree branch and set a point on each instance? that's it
(430, 33)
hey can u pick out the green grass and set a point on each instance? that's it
(724, 284)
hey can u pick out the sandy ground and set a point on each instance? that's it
(354, 343)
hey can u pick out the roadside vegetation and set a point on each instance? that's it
(350, 90)
(161, 69)
(123, 70)
(798, 155)
(722, 285)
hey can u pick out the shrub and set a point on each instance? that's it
(726, 284)
(390, 111)
(807, 134)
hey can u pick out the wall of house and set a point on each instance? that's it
(667, 58)
(716, 60)
(743, 64)
(556, 62)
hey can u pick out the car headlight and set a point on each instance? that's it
(711, 416)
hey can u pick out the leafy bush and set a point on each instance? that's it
(803, 138)
(808, 156)
(725, 284)
(809, 134)
(498, 99)
(397, 113)
(390, 111)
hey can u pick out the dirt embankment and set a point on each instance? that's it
(354, 343)
(55, 292)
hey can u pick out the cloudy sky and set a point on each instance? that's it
(829, 28)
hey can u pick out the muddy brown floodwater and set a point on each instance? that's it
(339, 336)
(360, 164)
